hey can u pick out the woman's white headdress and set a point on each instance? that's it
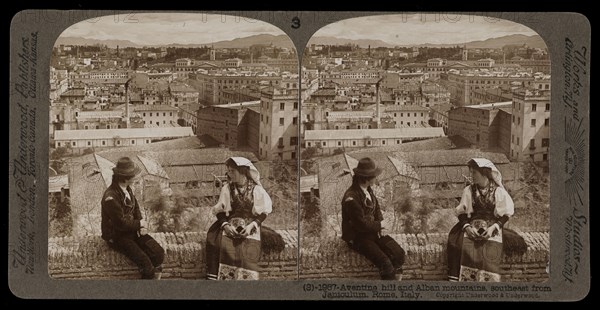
(486, 163)
(242, 161)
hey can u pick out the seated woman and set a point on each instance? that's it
(475, 243)
(233, 245)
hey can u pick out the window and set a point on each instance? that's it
(103, 142)
(89, 143)
(293, 155)
(144, 114)
(517, 144)
(513, 118)
(267, 139)
(545, 157)
(74, 143)
(132, 141)
(415, 122)
(97, 126)
(401, 122)
(477, 138)
(282, 106)
(86, 127)
(415, 114)
(353, 142)
(518, 121)
(339, 143)
(261, 117)
(293, 141)
(533, 122)
(295, 120)
(533, 107)
(267, 120)
(164, 122)
(108, 126)
(170, 113)
(358, 127)
(395, 114)
(545, 142)
(532, 157)
(295, 105)
(150, 113)
(147, 141)
(512, 138)
(397, 141)
(226, 137)
(401, 114)
(164, 114)
(382, 142)
(547, 122)
(369, 142)
(421, 114)
(58, 144)
(532, 144)
(308, 143)
(547, 107)
(281, 121)
(118, 142)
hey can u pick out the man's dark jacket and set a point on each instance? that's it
(359, 220)
(118, 218)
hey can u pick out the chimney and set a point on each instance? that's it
(377, 101)
(127, 103)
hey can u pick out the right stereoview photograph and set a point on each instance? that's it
(424, 150)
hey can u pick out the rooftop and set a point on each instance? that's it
(387, 133)
(124, 133)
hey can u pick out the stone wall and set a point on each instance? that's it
(320, 258)
(91, 258)
(425, 259)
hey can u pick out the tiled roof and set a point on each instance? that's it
(387, 133)
(123, 133)
(404, 108)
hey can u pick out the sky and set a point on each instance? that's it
(409, 29)
(167, 28)
(201, 28)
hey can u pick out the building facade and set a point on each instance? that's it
(232, 125)
(483, 125)
(278, 124)
(530, 128)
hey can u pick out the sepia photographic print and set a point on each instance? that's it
(398, 156)
(409, 110)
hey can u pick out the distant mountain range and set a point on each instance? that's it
(279, 41)
(534, 41)
(283, 41)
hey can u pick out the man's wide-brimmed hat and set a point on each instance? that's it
(367, 168)
(126, 167)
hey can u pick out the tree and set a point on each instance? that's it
(309, 153)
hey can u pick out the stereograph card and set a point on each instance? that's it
(401, 156)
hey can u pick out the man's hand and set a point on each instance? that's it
(143, 231)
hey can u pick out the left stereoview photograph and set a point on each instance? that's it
(173, 149)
